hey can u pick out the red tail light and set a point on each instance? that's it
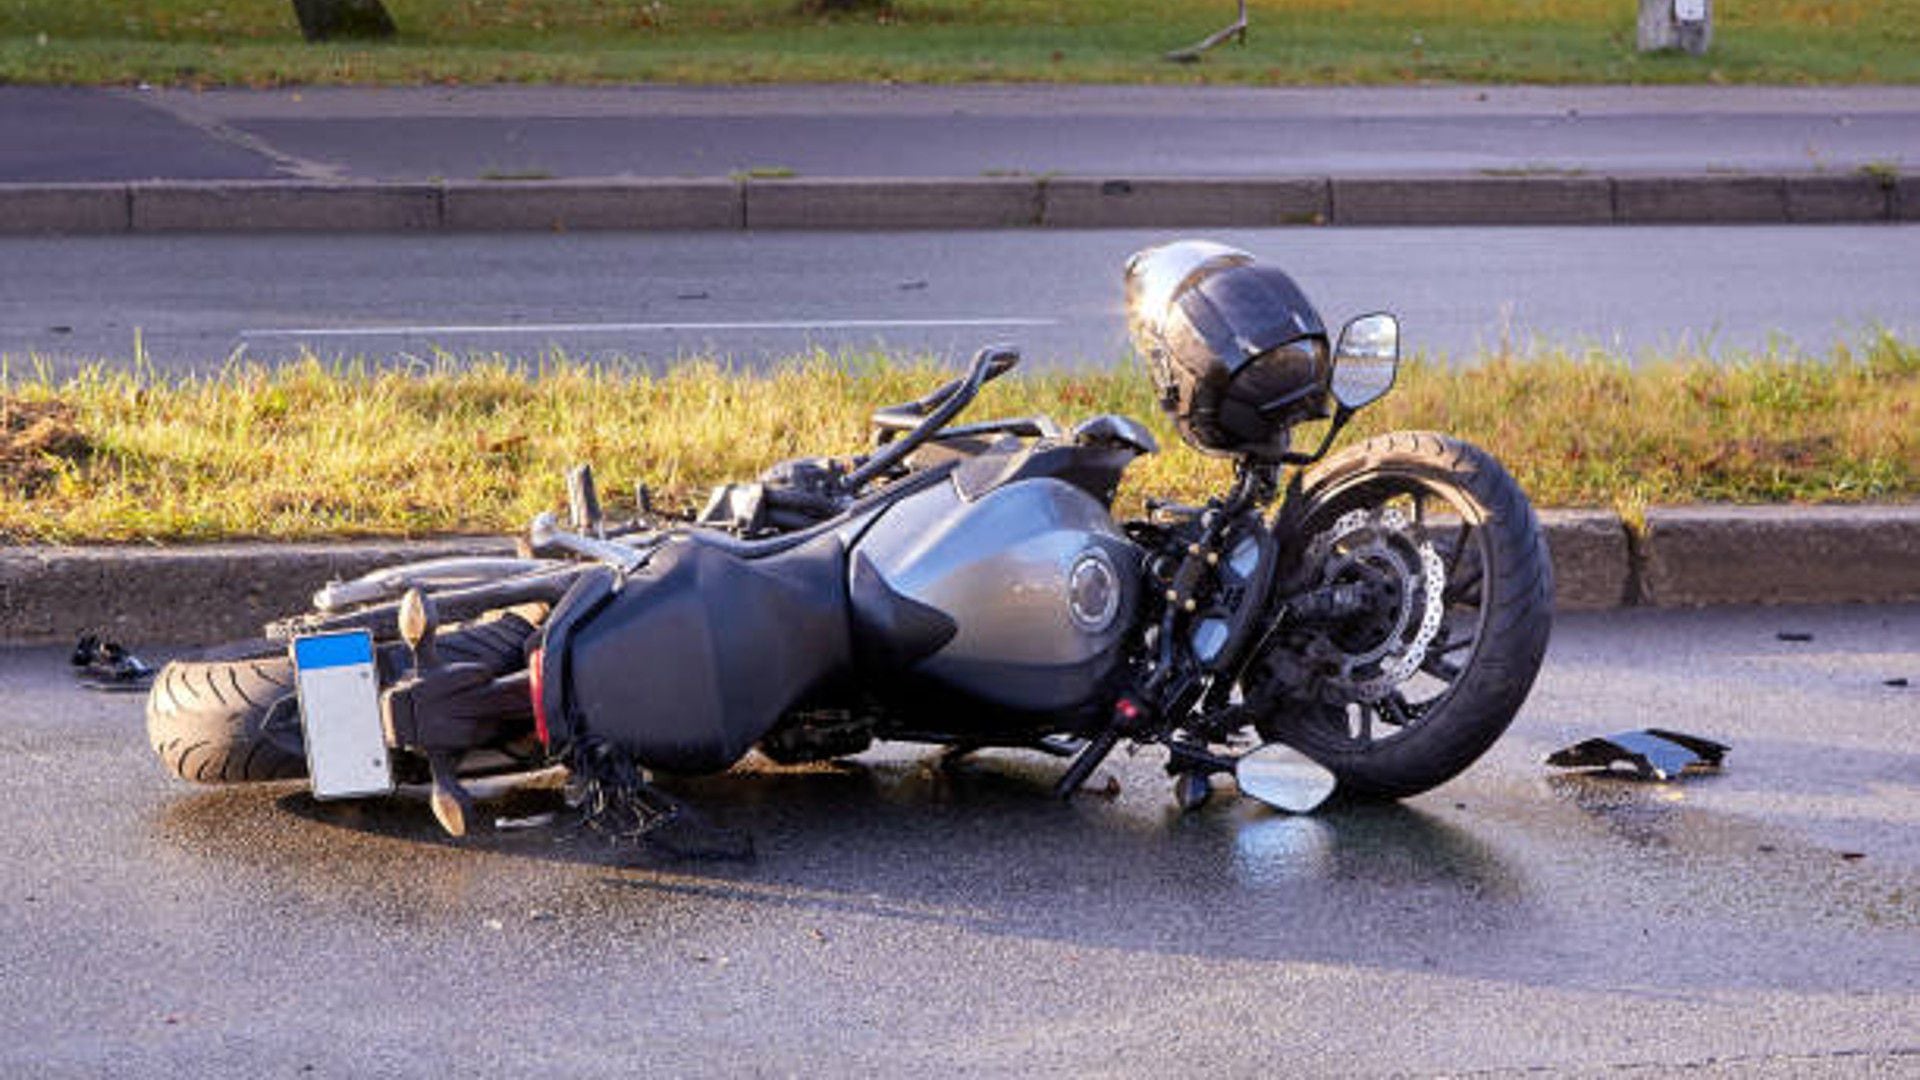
(537, 684)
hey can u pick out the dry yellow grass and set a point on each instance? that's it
(480, 445)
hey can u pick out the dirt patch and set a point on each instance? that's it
(1764, 453)
(36, 437)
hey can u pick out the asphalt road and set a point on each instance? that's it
(467, 133)
(193, 301)
(900, 921)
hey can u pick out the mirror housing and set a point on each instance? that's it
(1366, 360)
(1283, 778)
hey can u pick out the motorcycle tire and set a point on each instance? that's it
(1497, 601)
(231, 717)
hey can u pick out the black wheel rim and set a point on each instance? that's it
(1332, 714)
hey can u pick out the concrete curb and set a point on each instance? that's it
(1686, 556)
(854, 203)
(269, 205)
(1483, 200)
(1751, 555)
(838, 204)
(201, 595)
(1173, 202)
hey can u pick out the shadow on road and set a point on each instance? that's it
(1563, 881)
(981, 847)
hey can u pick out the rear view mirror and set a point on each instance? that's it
(1366, 360)
(1283, 778)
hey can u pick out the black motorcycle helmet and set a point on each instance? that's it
(1236, 352)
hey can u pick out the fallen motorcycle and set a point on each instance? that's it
(1367, 622)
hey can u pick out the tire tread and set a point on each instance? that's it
(208, 720)
(1513, 641)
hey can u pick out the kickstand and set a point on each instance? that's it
(1128, 716)
(1091, 756)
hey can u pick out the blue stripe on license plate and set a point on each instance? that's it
(333, 650)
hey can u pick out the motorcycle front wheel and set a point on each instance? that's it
(1404, 690)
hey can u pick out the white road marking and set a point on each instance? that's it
(642, 328)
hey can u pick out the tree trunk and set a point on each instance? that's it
(323, 20)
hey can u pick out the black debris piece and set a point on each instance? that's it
(107, 665)
(1651, 754)
(613, 797)
(1794, 635)
(1898, 684)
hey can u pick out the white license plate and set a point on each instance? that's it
(340, 715)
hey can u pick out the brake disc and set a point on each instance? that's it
(1374, 543)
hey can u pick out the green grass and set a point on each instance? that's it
(479, 445)
(256, 42)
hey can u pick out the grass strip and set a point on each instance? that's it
(310, 449)
(1291, 42)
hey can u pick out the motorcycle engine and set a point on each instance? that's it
(1227, 598)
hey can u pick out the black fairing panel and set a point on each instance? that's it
(890, 631)
(701, 651)
(1095, 470)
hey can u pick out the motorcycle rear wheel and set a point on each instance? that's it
(231, 717)
(1405, 699)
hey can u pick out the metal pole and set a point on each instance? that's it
(1676, 24)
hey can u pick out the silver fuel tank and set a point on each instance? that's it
(1018, 596)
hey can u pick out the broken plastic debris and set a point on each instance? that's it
(1652, 754)
(534, 821)
(107, 665)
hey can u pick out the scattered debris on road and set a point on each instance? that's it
(1650, 754)
(535, 821)
(107, 665)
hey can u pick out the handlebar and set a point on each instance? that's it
(999, 359)
(921, 418)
